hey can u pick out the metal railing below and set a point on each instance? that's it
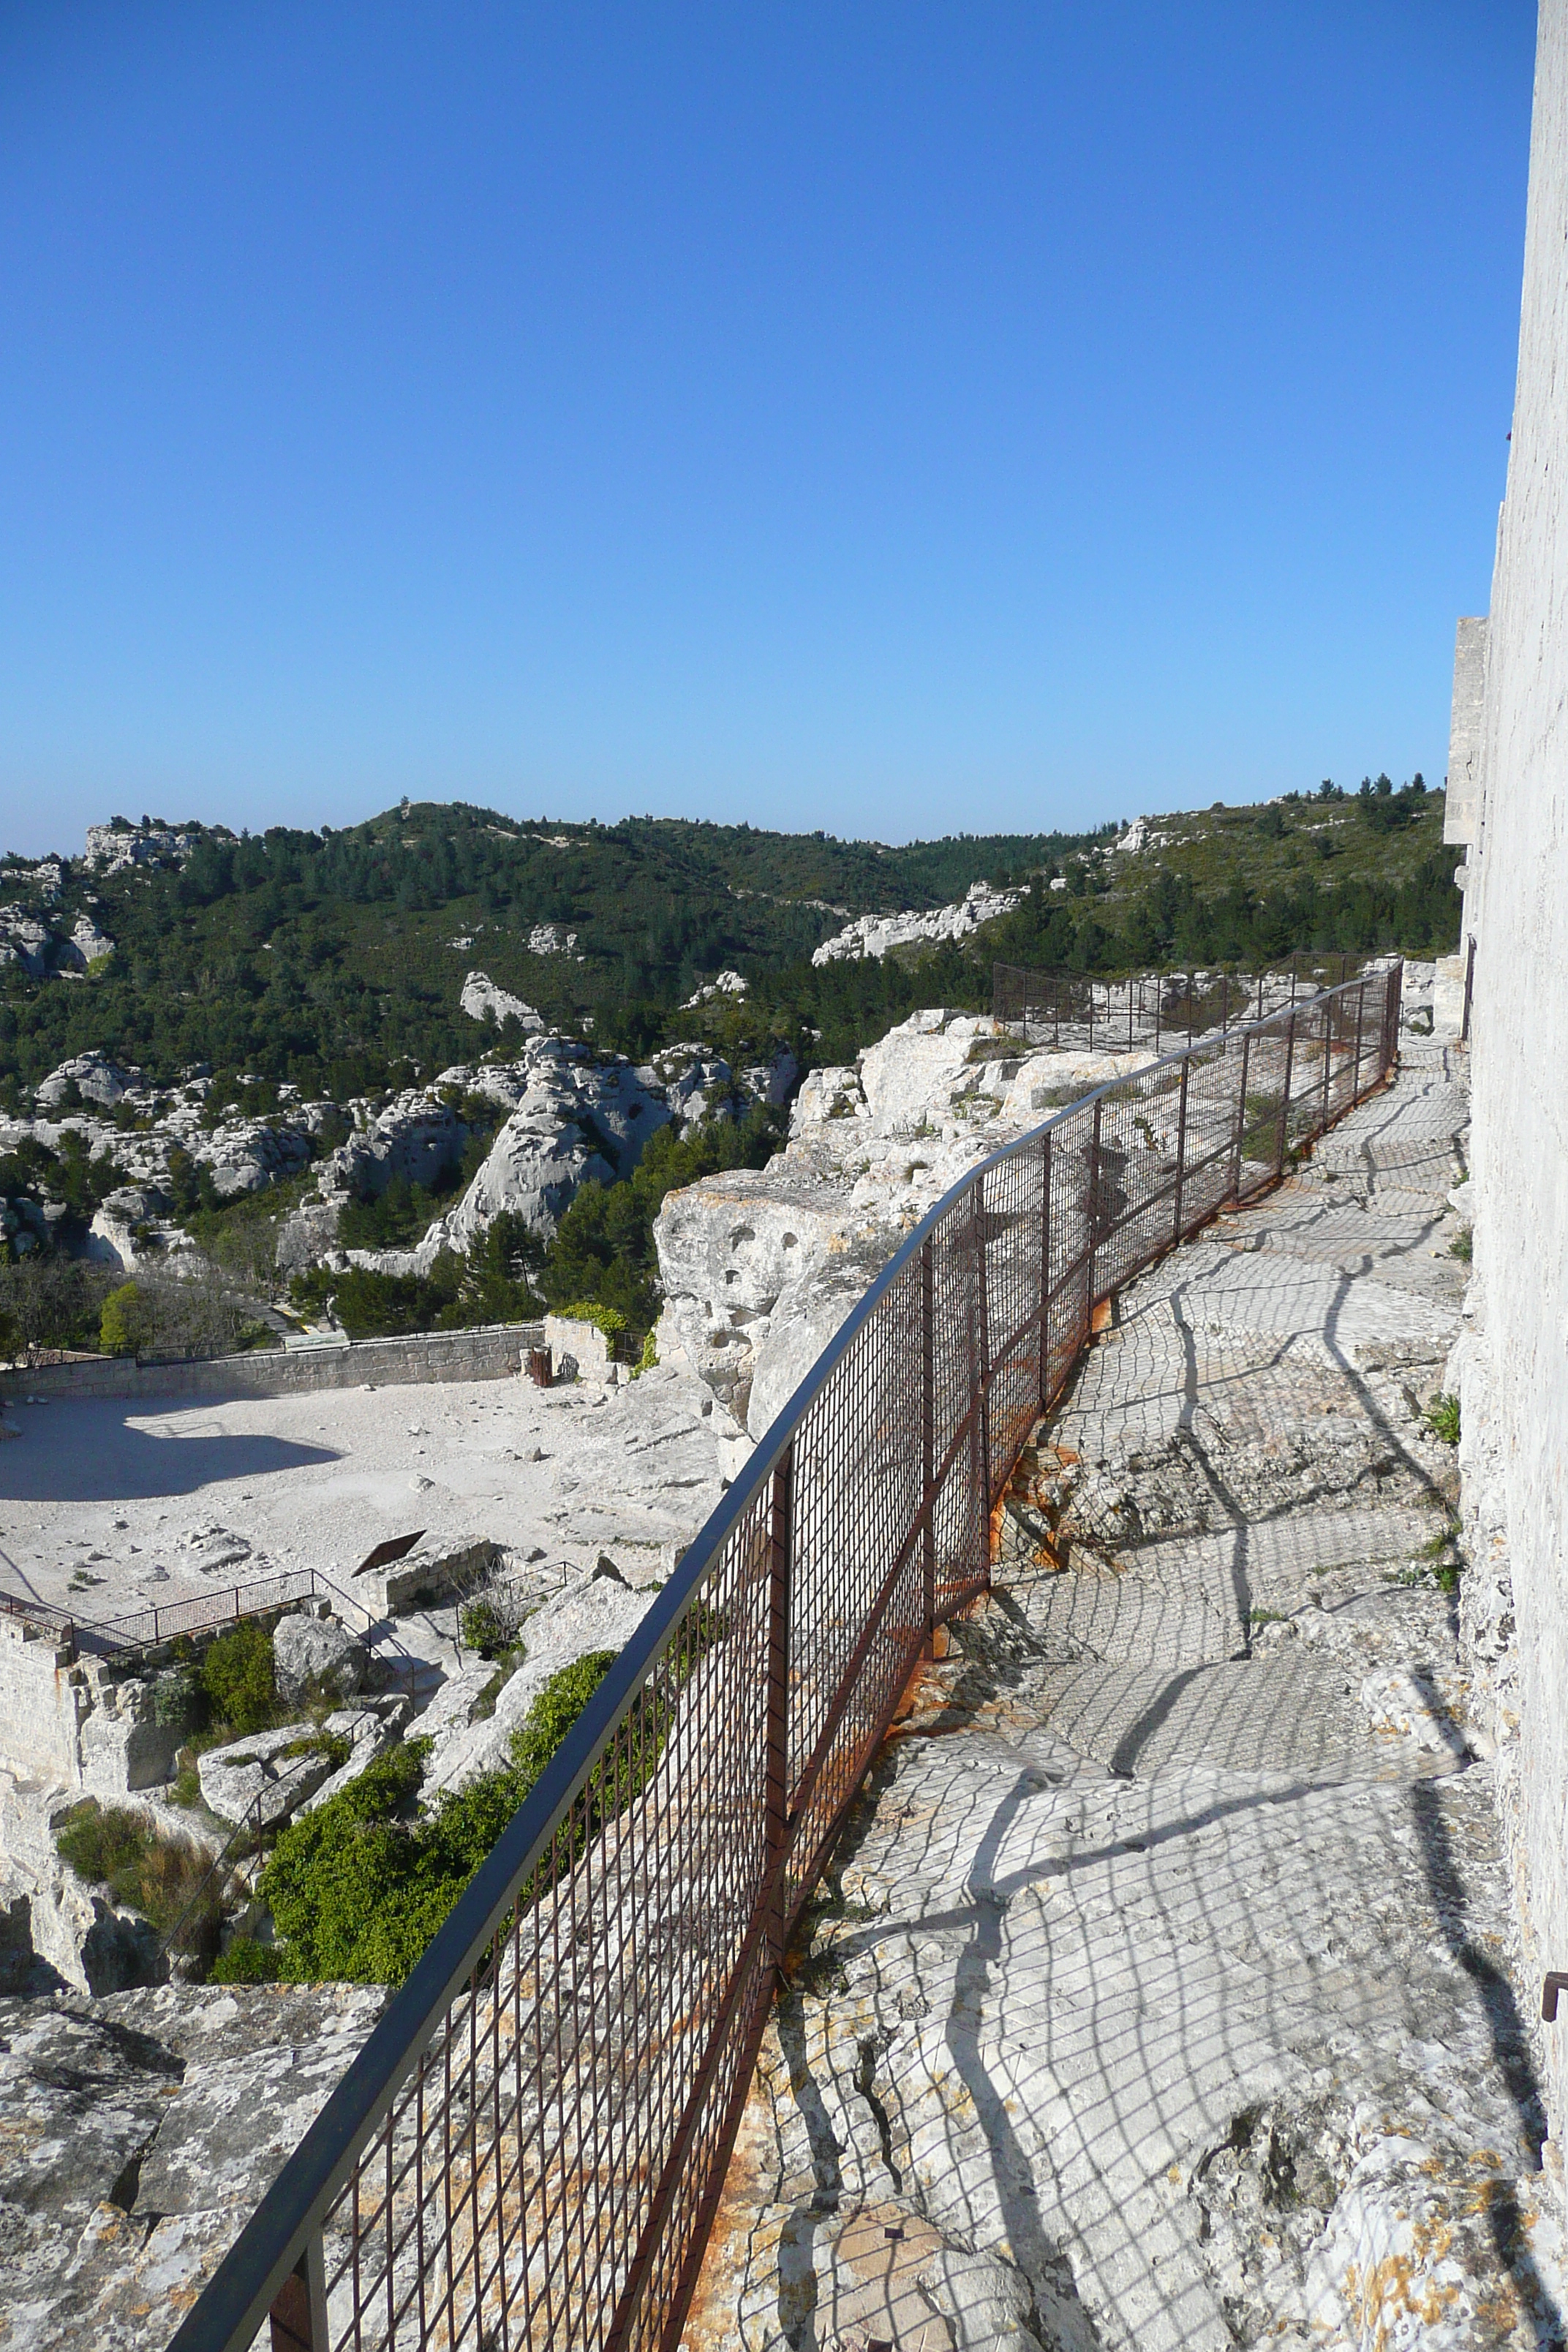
(530, 2148)
(1156, 1011)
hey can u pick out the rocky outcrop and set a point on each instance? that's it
(140, 2132)
(876, 935)
(96, 1078)
(112, 849)
(25, 940)
(482, 1000)
(759, 1269)
(578, 1117)
(597, 1611)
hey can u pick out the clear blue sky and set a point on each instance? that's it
(899, 418)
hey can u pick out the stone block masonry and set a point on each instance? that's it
(496, 1351)
(1512, 1372)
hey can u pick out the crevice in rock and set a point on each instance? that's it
(866, 2084)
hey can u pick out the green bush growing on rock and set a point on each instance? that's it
(485, 1629)
(236, 1680)
(247, 1962)
(115, 1849)
(1443, 1419)
(357, 1890)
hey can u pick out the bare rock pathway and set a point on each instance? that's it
(1162, 1997)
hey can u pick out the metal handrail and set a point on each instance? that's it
(277, 2260)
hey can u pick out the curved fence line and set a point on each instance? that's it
(530, 2148)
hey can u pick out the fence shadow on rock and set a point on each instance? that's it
(530, 2148)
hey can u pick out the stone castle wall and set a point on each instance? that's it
(494, 1352)
(1515, 1388)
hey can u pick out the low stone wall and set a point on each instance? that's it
(494, 1352)
(43, 1701)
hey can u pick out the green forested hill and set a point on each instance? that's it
(332, 959)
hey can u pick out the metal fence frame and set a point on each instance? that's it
(530, 2148)
(201, 1612)
(1170, 1004)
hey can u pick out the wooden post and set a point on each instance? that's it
(299, 2313)
(1240, 1118)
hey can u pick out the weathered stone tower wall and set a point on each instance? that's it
(1512, 816)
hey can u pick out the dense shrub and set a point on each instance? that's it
(237, 1679)
(247, 1962)
(357, 1891)
(113, 1848)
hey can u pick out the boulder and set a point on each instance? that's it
(277, 1769)
(96, 1078)
(315, 1655)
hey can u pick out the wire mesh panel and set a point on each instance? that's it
(530, 2149)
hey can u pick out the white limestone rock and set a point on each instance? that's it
(112, 849)
(312, 1654)
(579, 1117)
(277, 1769)
(144, 2129)
(874, 935)
(872, 1148)
(482, 1000)
(596, 1613)
(97, 1078)
(25, 940)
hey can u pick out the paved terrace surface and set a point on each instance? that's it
(1163, 1998)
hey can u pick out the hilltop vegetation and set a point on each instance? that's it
(335, 960)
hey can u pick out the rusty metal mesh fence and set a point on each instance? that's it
(530, 2149)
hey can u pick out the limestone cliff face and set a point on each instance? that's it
(760, 1267)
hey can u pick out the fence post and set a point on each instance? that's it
(1045, 1271)
(299, 2313)
(1285, 1094)
(1224, 1006)
(1240, 1118)
(1158, 993)
(928, 1428)
(1355, 1067)
(776, 1765)
(983, 1312)
(1327, 1060)
(1180, 1148)
(1093, 1221)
